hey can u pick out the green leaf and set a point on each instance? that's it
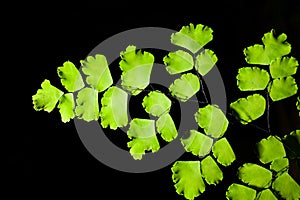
(273, 48)
(250, 108)
(282, 67)
(70, 77)
(276, 47)
(113, 112)
(185, 87)
(66, 107)
(87, 104)
(255, 175)
(197, 143)
(178, 62)
(279, 165)
(47, 97)
(192, 38)
(166, 127)
(287, 187)
(97, 71)
(211, 171)
(266, 195)
(136, 69)
(270, 149)
(252, 78)
(212, 120)
(257, 54)
(298, 104)
(139, 146)
(292, 141)
(282, 88)
(156, 103)
(223, 152)
(142, 133)
(237, 192)
(187, 178)
(205, 61)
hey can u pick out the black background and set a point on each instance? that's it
(49, 156)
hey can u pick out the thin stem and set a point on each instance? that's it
(202, 87)
(250, 124)
(151, 87)
(268, 112)
(200, 78)
(196, 101)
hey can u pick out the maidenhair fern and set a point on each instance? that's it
(277, 81)
(202, 144)
(192, 37)
(143, 137)
(268, 76)
(273, 183)
(156, 103)
(113, 111)
(185, 87)
(97, 72)
(136, 67)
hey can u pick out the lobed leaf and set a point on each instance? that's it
(280, 165)
(211, 171)
(212, 120)
(282, 67)
(276, 47)
(192, 38)
(97, 71)
(87, 104)
(273, 48)
(141, 128)
(282, 88)
(270, 149)
(178, 62)
(136, 69)
(257, 54)
(255, 175)
(166, 127)
(113, 112)
(187, 178)
(185, 87)
(156, 103)
(197, 143)
(70, 77)
(250, 108)
(47, 97)
(139, 146)
(236, 192)
(142, 133)
(286, 187)
(205, 61)
(266, 194)
(66, 107)
(223, 152)
(252, 78)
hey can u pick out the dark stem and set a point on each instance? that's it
(201, 79)
(152, 88)
(202, 88)
(268, 112)
(250, 124)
